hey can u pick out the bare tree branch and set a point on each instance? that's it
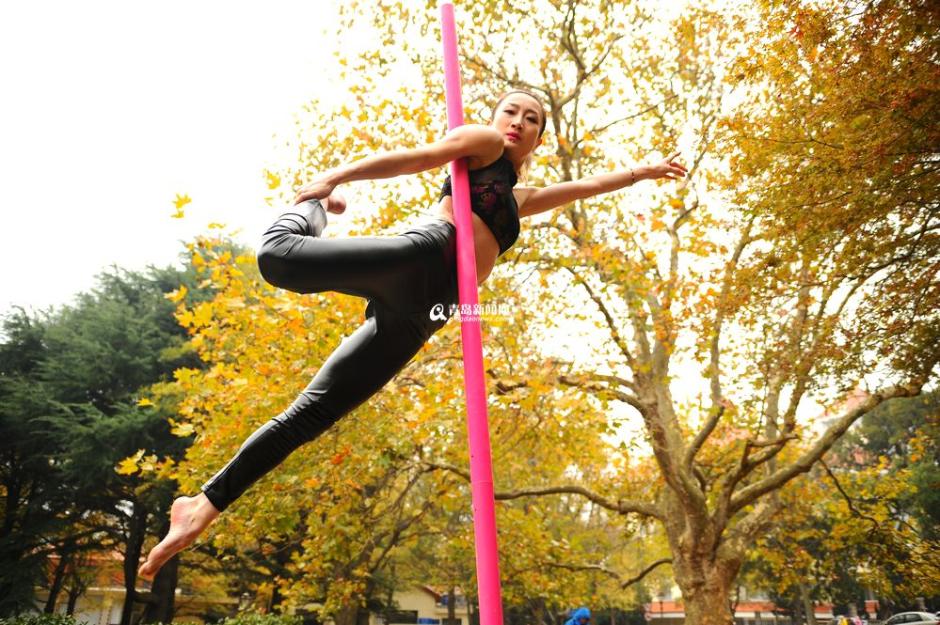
(714, 370)
(821, 328)
(702, 436)
(752, 492)
(596, 130)
(769, 448)
(845, 495)
(621, 506)
(514, 81)
(569, 42)
(576, 567)
(608, 318)
(592, 383)
(600, 569)
(645, 572)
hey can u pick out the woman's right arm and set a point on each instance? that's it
(468, 141)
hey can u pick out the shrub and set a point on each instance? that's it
(41, 619)
(253, 618)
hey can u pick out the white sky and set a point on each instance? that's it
(111, 108)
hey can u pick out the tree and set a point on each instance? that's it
(906, 432)
(720, 313)
(104, 351)
(71, 409)
(32, 487)
(763, 272)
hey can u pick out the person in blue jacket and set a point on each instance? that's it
(581, 616)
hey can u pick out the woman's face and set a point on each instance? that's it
(519, 118)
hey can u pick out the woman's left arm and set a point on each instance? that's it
(542, 199)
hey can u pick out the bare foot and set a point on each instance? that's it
(188, 517)
(334, 203)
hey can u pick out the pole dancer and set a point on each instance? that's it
(410, 281)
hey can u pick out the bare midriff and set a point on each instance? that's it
(484, 243)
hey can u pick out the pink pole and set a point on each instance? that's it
(481, 464)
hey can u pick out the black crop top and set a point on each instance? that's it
(491, 198)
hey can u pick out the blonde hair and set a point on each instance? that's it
(524, 169)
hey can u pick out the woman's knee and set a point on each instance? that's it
(272, 264)
(307, 418)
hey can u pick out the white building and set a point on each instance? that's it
(424, 606)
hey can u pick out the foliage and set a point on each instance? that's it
(41, 619)
(905, 433)
(840, 174)
(334, 516)
(255, 618)
(713, 320)
(71, 406)
(25, 471)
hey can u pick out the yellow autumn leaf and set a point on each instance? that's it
(184, 375)
(202, 314)
(185, 318)
(182, 429)
(128, 466)
(177, 295)
(181, 201)
(143, 401)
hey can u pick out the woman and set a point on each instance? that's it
(402, 276)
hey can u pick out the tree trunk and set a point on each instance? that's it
(348, 615)
(135, 544)
(275, 601)
(704, 575)
(808, 607)
(161, 607)
(162, 601)
(703, 571)
(74, 593)
(538, 612)
(451, 608)
(708, 606)
(57, 578)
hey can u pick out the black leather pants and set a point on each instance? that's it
(402, 276)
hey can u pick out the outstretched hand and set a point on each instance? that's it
(318, 189)
(668, 169)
